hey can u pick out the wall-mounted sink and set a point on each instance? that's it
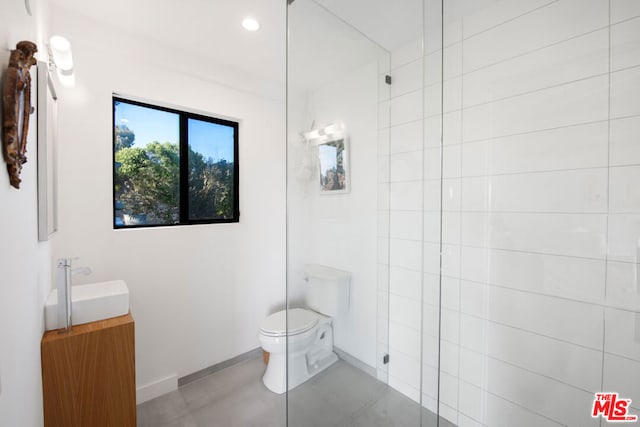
(89, 303)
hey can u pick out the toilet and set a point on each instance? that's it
(310, 330)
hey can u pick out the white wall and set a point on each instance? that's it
(23, 261)
(339, 230)
(198, 293)
(540, 212)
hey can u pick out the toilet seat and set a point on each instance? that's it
(299, 319)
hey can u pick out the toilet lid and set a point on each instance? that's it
(300, 320)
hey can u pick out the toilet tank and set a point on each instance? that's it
(327, 289)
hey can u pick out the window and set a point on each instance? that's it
(172, 167)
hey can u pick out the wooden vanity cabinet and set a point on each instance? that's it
(88, 375)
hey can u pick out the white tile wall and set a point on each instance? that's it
(541, 213)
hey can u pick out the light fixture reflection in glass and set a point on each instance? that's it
(250, 24)
(63, 60)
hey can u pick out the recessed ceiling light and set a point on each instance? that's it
(250, 24)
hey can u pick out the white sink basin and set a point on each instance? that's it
(89, 303)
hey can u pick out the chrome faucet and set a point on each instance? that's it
(64, 291)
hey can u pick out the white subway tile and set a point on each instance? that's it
(431, 257)
(580, 235)
(624, 147)
(534, 30)
(451, 260)
(403, 338)
(405, 283)
(473, 401)
(623, 290)
(432, 26)
(574, 103)
(432, 131)
(404, 368)
(430, 381)
(451, 194)
(625, 93)
(383, 196)
(406, 166)
(384, 90)
(449, 354)
(383, 169)
(625, 44)
(406, 196)
(404, 311)
(491, 14)
(452, 95)
(406, 225)
(383, 142)
(448, 390)
(451, 227)
(431, 285)
(624, 237)
(573, 191)
(432, 195)
(452, 63)
(452, 125)
(621, 375)
(383, 223)
(623, 189)
(451, 293)
(406, 53)
(498, 412)
(472, 365)
(405, 253)
(583, 146)
(579, 279)
(384, 114)
(407, 78)
(451, 161)
(383, 304)
(624, 9)
(450, 325)
(432, 226)
(432, 163)
(574, 59)
(406, 389)
(571, 321)
(546, 396)
(383, 250)
(433, 68)
(430, 345)
(433, 100)
(382, 334)
(448, 413)
(571, 364)
(473, 331)
(383, 277)
(430, 322)
(406, 108)
(622, 333)
(406, 137)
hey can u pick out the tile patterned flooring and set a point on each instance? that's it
(341, 396)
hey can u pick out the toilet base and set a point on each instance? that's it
(275, 377)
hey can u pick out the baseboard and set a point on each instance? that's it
(252, 354)
(156, 389)
(355, 362)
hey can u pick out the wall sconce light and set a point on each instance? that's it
(62, 60)
(327, 133)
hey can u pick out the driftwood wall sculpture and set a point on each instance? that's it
(16, 103)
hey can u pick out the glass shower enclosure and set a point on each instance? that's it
(472, 166)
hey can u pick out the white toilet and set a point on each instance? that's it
(310, 332)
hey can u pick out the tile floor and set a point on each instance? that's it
(341, 396)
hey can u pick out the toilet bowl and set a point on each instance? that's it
(308, 343)
(300, 341)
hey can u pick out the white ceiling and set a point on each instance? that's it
(212, 29)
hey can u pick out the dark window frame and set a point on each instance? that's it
(183, 144)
